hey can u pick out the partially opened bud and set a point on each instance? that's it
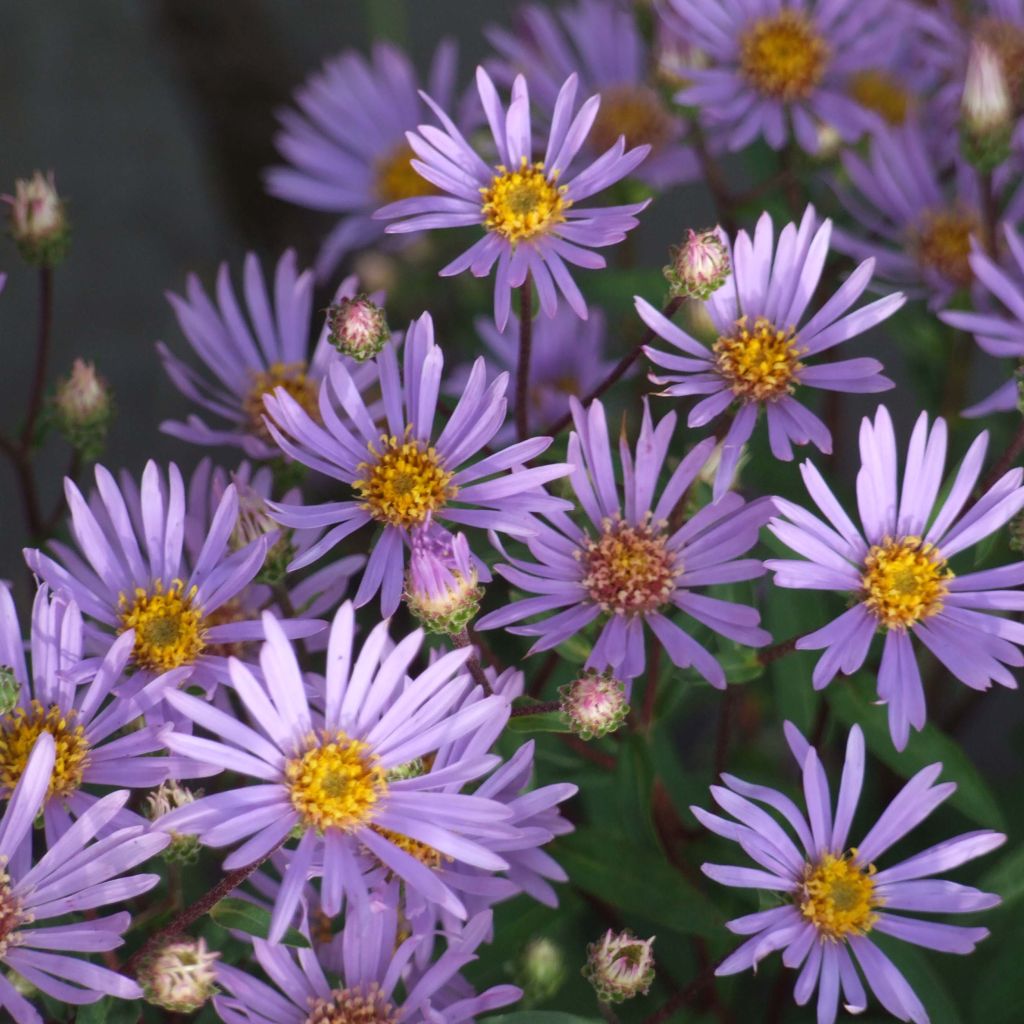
(699, 266)
(38, 220)
(620, 966)
(183, 849)
(986, 108)
(595, 704)
(178, 975)
(83, 409)
(357, 328)
(10, 690)
(442, 588)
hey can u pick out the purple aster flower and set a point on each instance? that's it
(777, 69)
(832, 896)
(760, 357)
(338, 777)
(75, 873)
(131, 572)
(896, 568)
(249, 357)
(372, 977)
(345, 145)
(400, 474)
(601, 42)
(639, 563)
(68, 698)
(529, 210)
(1000, 334)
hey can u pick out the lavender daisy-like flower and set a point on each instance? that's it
(249, 354)
(530, 210)
(999, 333)
(337, 777)
(361, 981)
(400, 475)
(897, 571)
(345, 144)
(638, 564)
(761, 356)
(834, 897)
(778, 69)
(601, 42)
(73, 874)
(131, 572)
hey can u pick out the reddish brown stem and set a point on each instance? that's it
(769, 654)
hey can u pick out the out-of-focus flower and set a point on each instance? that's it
(636, 567)
(83, 409)
(357, 327)
(442, 587)
(620, 966)
(986, 110)
(531, 211)
(699, 266)
(835, 898)
(541, 970)
(595, 704)
(761, 356)
(179, 975)
(402, 474)
(896, 568)
(38, 220)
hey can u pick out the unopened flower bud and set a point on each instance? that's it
(357, 328)
(179, 975)
(182, 849)
(699, 266)
(254, 522)
(83, 409)
(441, 588)
(541, 970)
(620, 966)
(986, 108)
(595, 704)
(38, 220)
(10, 690)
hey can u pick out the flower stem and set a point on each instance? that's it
(540, 708)
(463, 639)
(1006, 461)
(769, 654)
(35, 402)
(523, 366)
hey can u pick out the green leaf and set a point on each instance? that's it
(243, 916)
(1007, 878)
(576, 649)
(546, 721)
(109, 1011)
(850, 701)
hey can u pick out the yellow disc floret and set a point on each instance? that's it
(904, 581)
(838, 897)
(356, 1005)
(19, 731)
(395, 177)
(760, 365)
(169, 627)
(881, 92)
(336, 783)
(293, 377)
(403, 482)
(942, 240)
(523, 203)
(783, 56)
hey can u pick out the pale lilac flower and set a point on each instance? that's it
(530, 210)
(835, 899)
(639, 564)
(74, 874)
(760, 360)
(896, 569)
(398, 474)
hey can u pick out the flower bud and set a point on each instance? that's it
(38, 220)
(595, 704)
(441, 587)
(83, 409)
(10, 690)
(179, 975)
(254, 522)
(620, 966)
(357, 328)
(986, 109)
(182, 849)
(541, 970)
(699, 266)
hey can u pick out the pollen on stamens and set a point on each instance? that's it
(19, 731)
(355, 1005)
(904, 581)
(635, 112)
(783, 56)
(882, 92)
(761, 364)
(942, 241)
(293, 377)
(395, 177)
(170, 630)
(838, 897)
(523, 203)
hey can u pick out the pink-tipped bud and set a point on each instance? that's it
(620, 966)
(595, 704)
(83, 408)
(699, 266)
(442, 586)
(38, 220)
(179, 975)
(357, 328)
(986, 108)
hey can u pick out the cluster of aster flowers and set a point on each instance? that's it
(303, 675)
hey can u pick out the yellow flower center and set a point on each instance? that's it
(635, 111)
(290, 376)
(426, 855)
(11, 914)
(19, 731)
(524, 203)
(783, 56)
(629, 570)
(396, 178)
(169, 628)
(838, 897)
(336, 783)
(881, 92)
(354, 1006)
(760, 365)
(904, 581)
(404, 483)
(943, 242)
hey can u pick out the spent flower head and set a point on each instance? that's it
(179, 974)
